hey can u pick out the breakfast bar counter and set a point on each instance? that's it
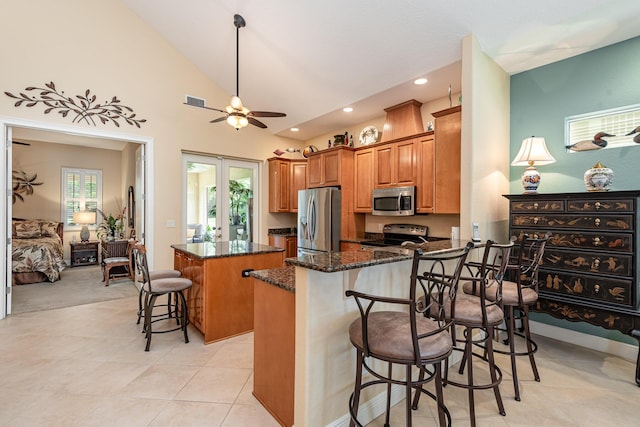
(304, 364)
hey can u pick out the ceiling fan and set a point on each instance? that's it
(236, 114)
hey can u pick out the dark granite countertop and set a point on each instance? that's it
(284, 277)
(225, 249)
(287, 232)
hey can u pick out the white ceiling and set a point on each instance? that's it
(310, 58)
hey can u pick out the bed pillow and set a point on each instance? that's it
(28, 230)
(48, 228)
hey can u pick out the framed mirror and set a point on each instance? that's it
(131, 208)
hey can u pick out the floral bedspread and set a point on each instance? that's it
(44, 254)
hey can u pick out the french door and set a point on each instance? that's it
(219, 198)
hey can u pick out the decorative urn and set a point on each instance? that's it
(598, 178)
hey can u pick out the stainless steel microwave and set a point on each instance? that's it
(395, 201)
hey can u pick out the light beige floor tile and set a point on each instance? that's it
(249, 415)
(160, 382)
(58, 410)
(123, 411)
(209, 384)
(233, 355)
(186, 414)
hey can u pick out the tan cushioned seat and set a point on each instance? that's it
(468, 311)
(509, 293)
(390, 336)
(116, 259)
(163, 274)
(163, 286)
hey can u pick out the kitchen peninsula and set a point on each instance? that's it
(311, 387)
(220, 301)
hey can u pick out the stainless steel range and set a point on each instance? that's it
(403, 234)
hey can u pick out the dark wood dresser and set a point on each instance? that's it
(590, 266)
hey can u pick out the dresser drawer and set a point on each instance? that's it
(614, 264)
(600, 222)
(617, 242)
(537, 206)
(600, 205)
(615, 291)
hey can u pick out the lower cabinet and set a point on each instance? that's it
(286, 242)
(193, 269)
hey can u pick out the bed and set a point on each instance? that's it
(37, 251)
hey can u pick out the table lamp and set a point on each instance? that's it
(532, 151)
(84, 218)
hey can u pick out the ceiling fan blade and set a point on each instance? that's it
(266, 114)
(219, 119)
(256, 122)
(205, 107)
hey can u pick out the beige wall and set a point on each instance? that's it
(106, 48)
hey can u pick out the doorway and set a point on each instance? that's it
(70, 135)
(219, 195)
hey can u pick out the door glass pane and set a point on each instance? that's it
(241, 188)
(201, 202)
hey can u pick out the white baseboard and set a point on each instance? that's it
(616, 348)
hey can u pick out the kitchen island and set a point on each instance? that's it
(311, 292)
(220, 300)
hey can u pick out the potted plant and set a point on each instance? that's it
(111, 226)
(239, 196)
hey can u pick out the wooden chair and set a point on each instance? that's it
(116, 255)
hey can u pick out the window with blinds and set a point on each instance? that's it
(81, 190)
(620, 123)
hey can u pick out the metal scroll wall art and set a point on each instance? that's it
(22, 185)
(83, 108)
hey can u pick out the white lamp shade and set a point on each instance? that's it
(84, 217)
(533, 151)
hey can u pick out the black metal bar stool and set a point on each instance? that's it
(408, 337)
(479, 315)
(518, 294)
(153, 289)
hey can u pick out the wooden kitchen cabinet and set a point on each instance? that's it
(447, 160)
(395, 164)
(298, 177)
(325, 168)
(425, 188)
(287, 242)
(193, 269)
(286, 177)
(363, 180)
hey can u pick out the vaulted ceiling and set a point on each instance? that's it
(310, 59)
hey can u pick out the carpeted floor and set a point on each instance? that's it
(77, 286)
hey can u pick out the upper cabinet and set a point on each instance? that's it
(286, 177)
(447, 160)
(363, 180)
(395, 164)
(325, 168)
(426, 150)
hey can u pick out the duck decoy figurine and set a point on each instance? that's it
(595, 144)
(637, 137)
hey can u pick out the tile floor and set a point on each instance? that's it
(86, 366)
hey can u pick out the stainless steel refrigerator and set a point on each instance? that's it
(319, 220)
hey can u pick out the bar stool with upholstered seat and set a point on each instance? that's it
(171, 307)
(518, 294)
(152, 289)
(479, 315)
(407, 338)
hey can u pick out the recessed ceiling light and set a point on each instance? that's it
(347, 109)
(420, 81)
(294, 129)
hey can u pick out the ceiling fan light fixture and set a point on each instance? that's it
(236, 103)
(237, 120)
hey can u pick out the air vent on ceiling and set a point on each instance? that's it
(196, 102)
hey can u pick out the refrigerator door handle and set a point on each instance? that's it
(313, 218)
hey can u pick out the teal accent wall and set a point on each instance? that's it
(541, 99)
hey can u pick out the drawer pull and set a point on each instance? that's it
(597, 205)
(597, 222)
(596, 288)
(535, 206)
(535, 219)
(597, 241)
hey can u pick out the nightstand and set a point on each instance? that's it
(84, 253)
